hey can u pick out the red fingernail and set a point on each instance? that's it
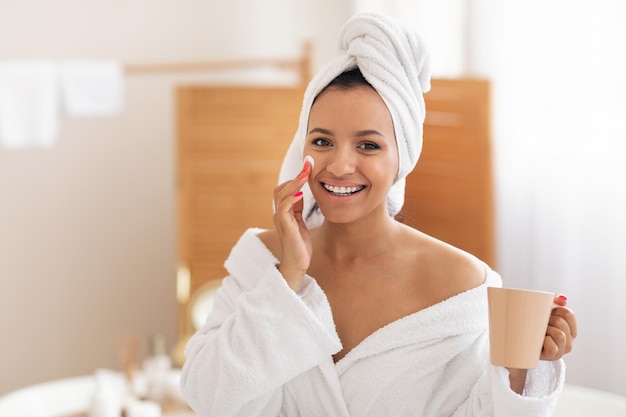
(562, 297)
(298, 194)
(305, 168)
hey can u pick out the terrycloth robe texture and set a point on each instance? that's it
(394, 61)
(267, 351)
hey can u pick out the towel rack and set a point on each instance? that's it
(302, 65)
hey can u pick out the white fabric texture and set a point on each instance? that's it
(394, 61)
(63, 397)
(29, 104)
(267, 351)
(92, 88)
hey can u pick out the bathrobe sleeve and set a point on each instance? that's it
(492, 396)
(260, 335)
(543, 386)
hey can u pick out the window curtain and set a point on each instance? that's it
(558, 74)
(558, 70)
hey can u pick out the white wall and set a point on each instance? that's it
(88, 227)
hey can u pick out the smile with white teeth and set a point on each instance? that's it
(343, 191)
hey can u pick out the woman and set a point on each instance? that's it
(341, 310)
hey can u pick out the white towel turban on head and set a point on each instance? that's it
(394, 61)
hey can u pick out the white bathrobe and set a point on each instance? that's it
(267, 351)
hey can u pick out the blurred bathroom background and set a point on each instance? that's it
(88, 222)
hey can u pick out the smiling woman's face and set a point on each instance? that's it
(351, 137)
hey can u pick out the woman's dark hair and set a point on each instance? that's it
(347, 80)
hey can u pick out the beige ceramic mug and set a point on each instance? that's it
(518, 320)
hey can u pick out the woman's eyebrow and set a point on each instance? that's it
(369, 132)
(320, 130)
(360, 133)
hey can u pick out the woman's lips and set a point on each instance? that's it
(342, 190)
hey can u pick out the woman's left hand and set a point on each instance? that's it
(561, 331)
(559, 339)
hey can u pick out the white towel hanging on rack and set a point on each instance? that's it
(92, 88)
(29, 100)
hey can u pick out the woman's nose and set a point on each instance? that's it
(342, 162)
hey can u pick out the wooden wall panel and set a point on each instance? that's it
(449, 195)
(231, 142)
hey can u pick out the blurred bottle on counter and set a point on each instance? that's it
(109, 394)
(156, 370)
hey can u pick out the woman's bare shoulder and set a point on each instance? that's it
(445, 263)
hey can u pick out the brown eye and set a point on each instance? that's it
(320, 142)
(369, 146)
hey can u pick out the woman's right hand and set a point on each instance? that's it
(295, 239)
